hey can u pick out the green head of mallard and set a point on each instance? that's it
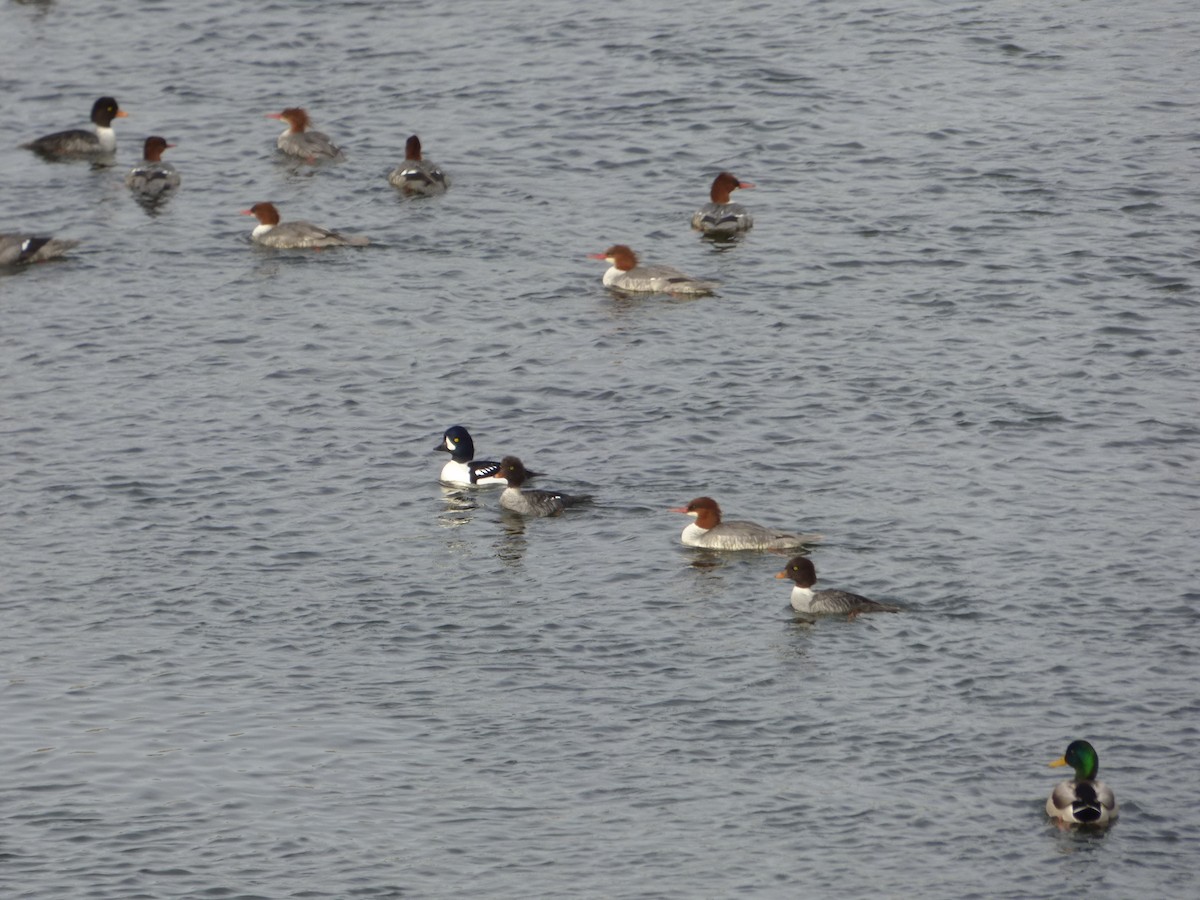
(1080, 756)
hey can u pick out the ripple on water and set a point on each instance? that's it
(254, 650)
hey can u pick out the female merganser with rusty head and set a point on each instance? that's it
(16, 249)
(80, 144)
(721, 218)
(817, 603)
(153, 177)
(311, 146)
(529, 503)
(625, 274)
(298, 235)
(416, 175)
(463, 468)
(709, 532)
(1085, 800)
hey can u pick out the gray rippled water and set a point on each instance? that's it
(254, 650)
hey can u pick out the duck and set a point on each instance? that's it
(529, 503)
(298, 141)
(710, 533)
(78, 144)
(298, 235)
(805, 600)
(416, 175)
(17, 248)
(463, 468)
(624, 274)
(152, 177)
(720, 217)
(1085, 799)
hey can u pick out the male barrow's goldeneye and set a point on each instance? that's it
(463, 468)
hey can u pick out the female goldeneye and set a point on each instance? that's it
(79, 144)
(529, 503)
(806, 601)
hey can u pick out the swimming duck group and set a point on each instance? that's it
(1083, 801)
(154, 179)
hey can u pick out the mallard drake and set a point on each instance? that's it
(1084, 800)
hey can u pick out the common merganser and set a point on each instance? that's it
(16, 249)
(801, 570)
(298, 235)
(529, 503)
(80, 144)
(709, 532)
(463, 467)
(416, 175)
(1084, 800)
(153, 177)
(625, 274)
(721, 218)
(298, 141)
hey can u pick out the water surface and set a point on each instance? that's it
(254, 650)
